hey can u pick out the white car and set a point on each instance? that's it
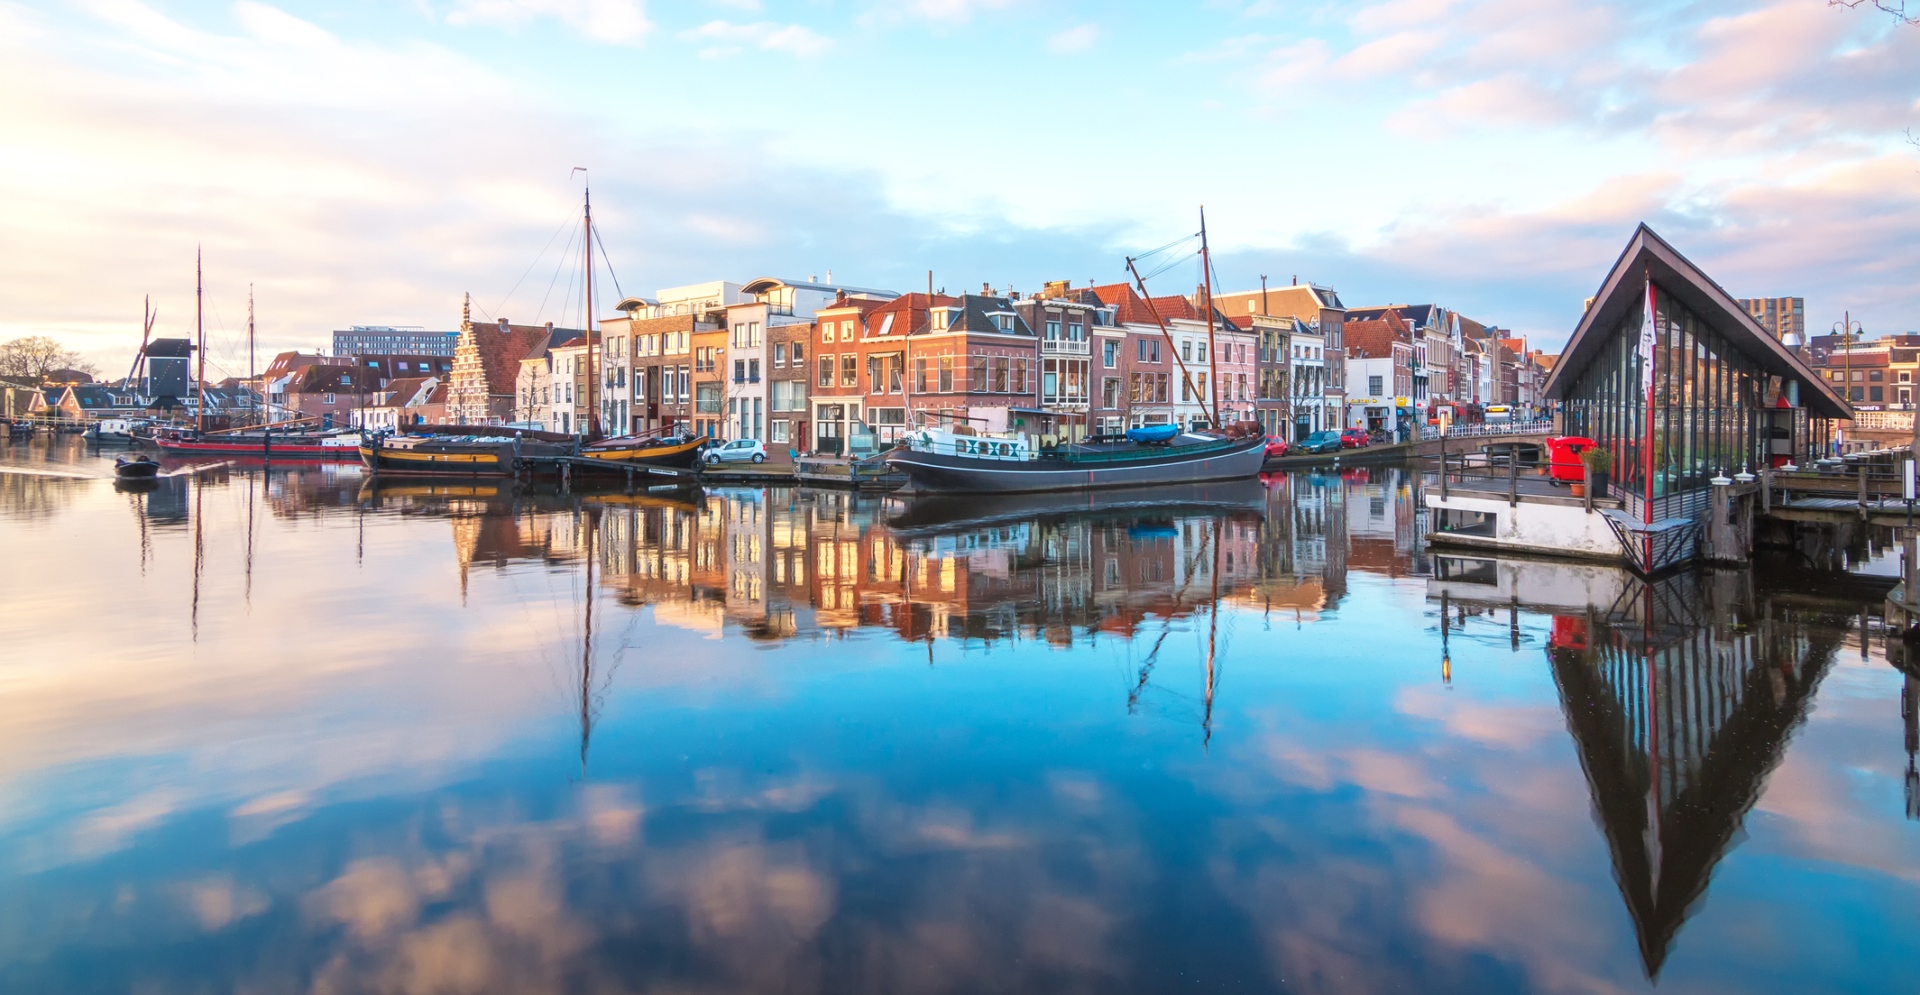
(737, 451)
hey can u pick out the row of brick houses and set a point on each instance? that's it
(813, 365)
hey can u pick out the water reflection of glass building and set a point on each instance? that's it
(1680, 696)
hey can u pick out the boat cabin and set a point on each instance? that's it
(947, 442)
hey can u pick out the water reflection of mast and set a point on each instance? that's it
(586, 658)
(1213, 626)
(199, 549)
(249, 587)
(146, 541)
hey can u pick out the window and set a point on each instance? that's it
(1160, 390)
(976, 373)
(826, 371)
(707, 398)
(779, 355)
(798, 356)
(1373, 385)
(1875, 375)
(753, 371)
(1110, 392)
(780, 431)
(1153, 353)
(919, 375)
(1141, 344)
(849, 370)
(826, 332)
(886, 324)
(846, 331)
(1186, 350)
(946, 374)
(1053, 330)
(1019, 376)
(1135, 384)
(1876, 393)
(1076, 332)
(1110, 353)
(940, 317)
(739, 371)
(326, 399)
(1001, 375)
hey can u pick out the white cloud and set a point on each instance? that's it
(616, 22)
(724, 38)
(1075, 39)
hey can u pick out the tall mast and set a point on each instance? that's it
(593, 408)
(1206, 275)
(257, 393)
(200, 333)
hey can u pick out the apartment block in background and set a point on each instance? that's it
(1780, 316)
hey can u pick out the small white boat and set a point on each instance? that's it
(113, 431)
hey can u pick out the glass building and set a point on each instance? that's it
(1725, 395)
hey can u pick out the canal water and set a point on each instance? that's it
(298, 732)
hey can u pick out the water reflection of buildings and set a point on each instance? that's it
(1680, 695)
(782, 563)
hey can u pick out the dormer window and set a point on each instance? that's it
(1003, 322)
(942, 318)
(886, 324)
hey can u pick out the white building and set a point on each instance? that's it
(1314, 409)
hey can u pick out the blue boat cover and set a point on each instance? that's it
(1153, 433)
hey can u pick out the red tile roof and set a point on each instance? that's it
(1375, 339)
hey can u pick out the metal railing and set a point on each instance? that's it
(1072, 347)
(1884, 421)
(1484, 429)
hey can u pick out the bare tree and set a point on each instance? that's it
(35, 356)
(1896, 8)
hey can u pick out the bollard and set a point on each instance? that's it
(1513, 479)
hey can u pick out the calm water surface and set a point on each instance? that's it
(293, 732)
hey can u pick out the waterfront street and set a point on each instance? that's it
(295, 731)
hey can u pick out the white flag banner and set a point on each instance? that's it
(1646, 344)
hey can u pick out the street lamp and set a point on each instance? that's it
(1846, 329)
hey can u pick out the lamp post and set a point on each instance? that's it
(1847, 328)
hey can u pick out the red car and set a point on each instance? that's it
(1276, 447)
(1354, 438)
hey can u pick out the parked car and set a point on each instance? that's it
(737, 451)
(1354, 438)
(1276, 447)
(1319, 442)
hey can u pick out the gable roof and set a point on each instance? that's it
(1374, 338)
(1622, 293)
(1415, 315)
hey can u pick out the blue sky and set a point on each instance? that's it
(363, 162)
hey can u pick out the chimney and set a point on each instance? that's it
(986, 289)
(1296, 279)
(504, 327)
(829, 276)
